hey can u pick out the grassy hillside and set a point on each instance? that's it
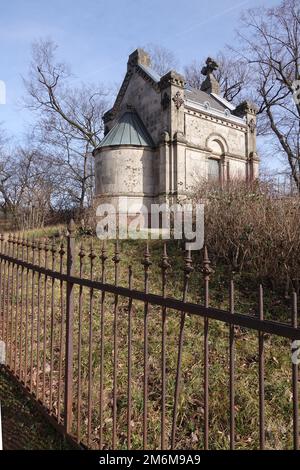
(190, 411)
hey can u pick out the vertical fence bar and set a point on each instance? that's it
(103, 260)
(79, 388)
(38, 322)
(231, 368)
(69, 329)
(33, 246)
(187, 271)
(7, 305)
(5, 298)
(90, 366)
(26, 313)
(164, 267)
(2, 264)
(17, 242)
(146, 263)
(46, 249)
(129, 362)
(3, 295)
(61, 337)
(116, 260)
(22, 242)
(206, 271)
(295, 379)
(11, 303)
(52, 324)
(261, 372)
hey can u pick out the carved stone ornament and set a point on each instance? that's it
(178, 100)
(210, 67)
(165, 101)
(252, 125)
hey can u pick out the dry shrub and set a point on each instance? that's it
(253, 229)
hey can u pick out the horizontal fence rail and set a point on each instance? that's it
(120, 367)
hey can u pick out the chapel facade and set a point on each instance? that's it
(162, 137)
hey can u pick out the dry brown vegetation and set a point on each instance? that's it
(252, 229)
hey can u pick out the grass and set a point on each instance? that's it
(190, 418)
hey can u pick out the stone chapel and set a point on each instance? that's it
(162, 136)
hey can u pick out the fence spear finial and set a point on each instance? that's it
(206, 268)
(71, 227)
(164, 264)
(116, 258)
(81, 251)
(103, 255)
(146, 262)
(188, 264)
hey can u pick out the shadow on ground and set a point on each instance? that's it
(22, 425)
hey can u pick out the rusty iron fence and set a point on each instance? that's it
(84, 348)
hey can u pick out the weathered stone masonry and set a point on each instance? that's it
(161, 137)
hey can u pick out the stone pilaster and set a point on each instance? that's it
(164, 168)
(179, 146)
(172, 101)
(248, 111)
(253, 166)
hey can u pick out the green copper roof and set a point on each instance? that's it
(129, 130)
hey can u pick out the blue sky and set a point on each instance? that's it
(96, 36)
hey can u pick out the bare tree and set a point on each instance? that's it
(69, 119)
(232, 74)
(26, 184)
(271, 45)
(162, 59)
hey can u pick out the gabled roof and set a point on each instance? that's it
(139, 63)
(193, 94)
(129, 130)
(201, 97)
(152, 73)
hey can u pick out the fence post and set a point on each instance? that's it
(69, 328)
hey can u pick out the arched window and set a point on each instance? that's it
(214, 169)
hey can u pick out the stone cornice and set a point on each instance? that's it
(246, 107)
(172, 78)
(124, 146)
(206, 150)
(254, 157)
(215, 116)
(127, 194)
(190, 145)
(234, 156)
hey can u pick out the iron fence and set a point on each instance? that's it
(107, 363)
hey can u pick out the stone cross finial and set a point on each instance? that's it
(210, 84)
(210, 67)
